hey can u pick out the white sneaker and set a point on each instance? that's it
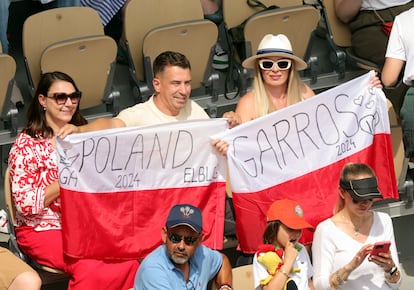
(3, 222)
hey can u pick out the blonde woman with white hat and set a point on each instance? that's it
(276, 81)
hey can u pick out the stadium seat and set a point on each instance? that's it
(297, 23)
(54, 25)
(339, 38)
(243, 277)
(44, 271)
(236, 11)
(142, 16)
(46, 34)
(181, 37)
(290, 17)
(9, 111)
(89, 61)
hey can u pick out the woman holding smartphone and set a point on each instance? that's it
(343, 244)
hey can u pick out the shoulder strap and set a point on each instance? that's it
(256, 3)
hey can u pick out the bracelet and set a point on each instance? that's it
(284, 273)
(225, 286)
(339, 278)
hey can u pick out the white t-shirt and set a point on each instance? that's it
(301, 278)
(401, 44)
(148, 114)
(332, 249)
(381, 4)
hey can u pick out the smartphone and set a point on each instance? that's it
(380, 247)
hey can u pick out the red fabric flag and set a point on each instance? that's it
(298, 153)
(117, 186)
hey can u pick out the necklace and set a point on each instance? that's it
(356, 229)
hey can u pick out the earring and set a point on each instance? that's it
(44, 108)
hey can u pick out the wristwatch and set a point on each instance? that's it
(393, 271)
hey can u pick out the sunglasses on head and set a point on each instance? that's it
(281, 64)
(61, 98)
(175, 239)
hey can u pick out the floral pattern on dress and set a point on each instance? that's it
(33, 167)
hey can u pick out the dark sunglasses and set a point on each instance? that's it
(358, 201)
(189, 241)
(281, 64)
(61, 98)
(354, 201)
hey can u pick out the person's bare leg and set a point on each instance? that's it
(26, 281)
(209, 6)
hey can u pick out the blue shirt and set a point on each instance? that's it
(157, 271)
(106, 9)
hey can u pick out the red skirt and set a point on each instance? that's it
(45, 247)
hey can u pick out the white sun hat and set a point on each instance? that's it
(275, 45)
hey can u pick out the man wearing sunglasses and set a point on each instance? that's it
(182, 262)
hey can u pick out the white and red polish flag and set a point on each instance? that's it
(118, 185)
(298, 153)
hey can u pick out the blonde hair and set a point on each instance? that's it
(350, 172)
(261, 100)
